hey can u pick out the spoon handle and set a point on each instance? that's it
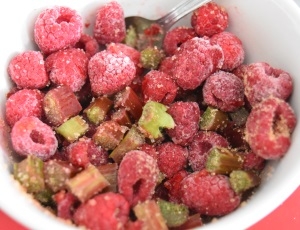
(179, 11)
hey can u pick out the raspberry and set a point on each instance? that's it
(202, 142)
(158, 86)
(173, 186)
(209, 194)
(232, 47)
(68, 67)
(65, 203)
(88, 44)
(110, 24)
(25, 102)
(30, 136)
(27, 70)
(149, 149)
(171, 158)
(110, 72)
(261, 80)
(186, 116)
(269, 127)
(166, 65)
(57, 28)
(224, 90)
(209, 19)
(137, 176)
(105, 211)
(253, 162)
(175, 37)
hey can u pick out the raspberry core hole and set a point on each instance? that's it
(37, 137)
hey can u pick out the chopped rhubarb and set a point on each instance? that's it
(239, 117)
(151, 57)
(110, 172)
(131, 36)
(213, 119)
(121, 117)
(241, 180)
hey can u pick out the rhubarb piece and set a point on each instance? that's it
(110, 172)
(121, 117)
(239, 117)
(132, 140)
(97, 110)
(29, 172)
(174, 214)
(213, 119)
(241, 180)
(44, 196)
(192, 222)
(109, 134)
(131, 37)
(60, 104)
(223, 161)
(154, 118)
(87, 183)
(151, 57)
(73, 128)
(149, 213)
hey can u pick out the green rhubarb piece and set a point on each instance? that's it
(132, 140)
(213, 119)
(73, 128)
(243, 180)
(29, 172)
(97, 110)
(151, 57)
(87, 183)
(154, 118)
(192, 222)
(131, 37)
(223, 161)
(174, 214)
(239, 117)
(110, 172)
(44, 197)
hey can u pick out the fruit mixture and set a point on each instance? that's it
(114, 132)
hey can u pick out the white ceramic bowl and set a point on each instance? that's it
(270, 32)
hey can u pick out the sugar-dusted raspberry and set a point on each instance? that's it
(200, 146)
(89, 44)
(159, 86)
(65, 202)
(68, 67)
(171, 158)
(224, 90)
(25, 102)
(175, 37)
(209, 194)
(110, 23)
(149, 149)
(232, 47)
(110, 72)
(186, 116)
(269, 127)
(104, 211)
(174, 187)
(137, 176)
(261, 80)
(240, 71)
(30, 136)
(27, 70)
(57, 28)
(209, 19)
(253, 162)
(166, 65)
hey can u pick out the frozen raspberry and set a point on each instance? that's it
(174, 187)
(57, 28)
(109, 72)
(209, 194)
(253, 162)
(89, 44)
(105, 211)
(232, 47)
(209, 19)
(110, 24)
(68, 67)
(200, 146)
(175, 37)
(27, 70)
(158, 86)
(186, 116)
(149, 149)
(224, 90)
(166, 65)
(269, 127)
(171, 158)
(261, 80)
(137, 176)
(240, 71)
(30, 136)
(24, 103)
(65, 202)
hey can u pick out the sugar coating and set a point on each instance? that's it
(68, 67)
(57, 28)
(89, 44)
(110, 23)
(209, 194)
(224, 91)
(104, 211)
(269, 127)
(25, 102)
(30, 136)
(202, 142)
(110, 72)
(27, 70)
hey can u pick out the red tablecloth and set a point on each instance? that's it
(286, 216)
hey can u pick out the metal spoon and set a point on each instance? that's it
(155, 30)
